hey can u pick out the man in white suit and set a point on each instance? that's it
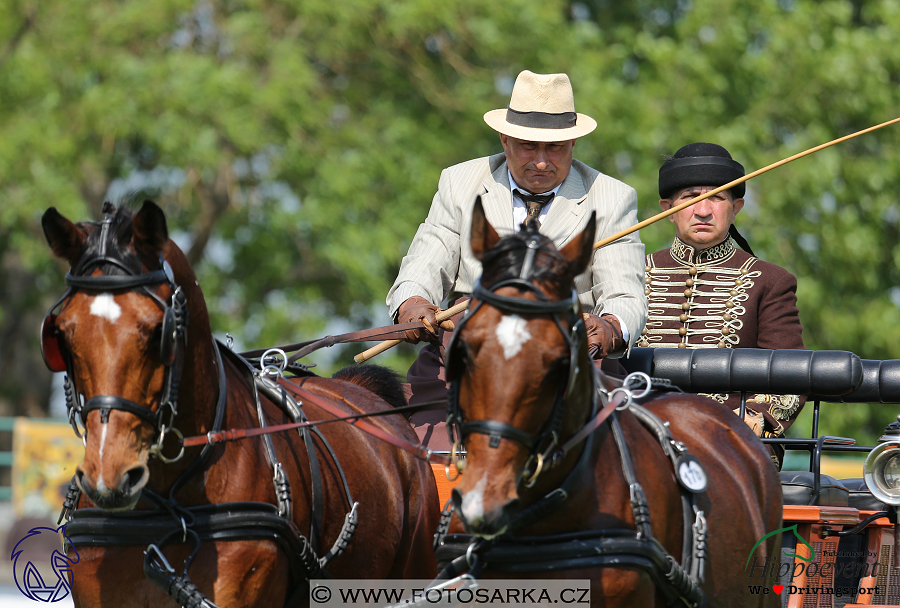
(534, 180)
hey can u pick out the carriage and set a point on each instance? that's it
(832, 534)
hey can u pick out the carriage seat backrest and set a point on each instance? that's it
(829, 374)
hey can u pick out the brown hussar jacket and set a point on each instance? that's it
(723, 297)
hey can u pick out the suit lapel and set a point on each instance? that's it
(497, 200)
(567, 208)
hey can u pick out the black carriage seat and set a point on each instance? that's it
(798, 488)
(860, 497)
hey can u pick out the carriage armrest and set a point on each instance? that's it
(880, 383)
(825, 373)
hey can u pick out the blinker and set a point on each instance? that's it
(51, 350)
(168, 338)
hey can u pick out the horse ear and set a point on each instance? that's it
(65, 238)
(150, 231)
(483, 234)
(581, 248)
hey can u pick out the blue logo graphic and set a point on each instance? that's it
(33, 549)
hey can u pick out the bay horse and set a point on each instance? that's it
(252, 520)
(660, 504)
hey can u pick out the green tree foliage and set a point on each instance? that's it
(296, 145)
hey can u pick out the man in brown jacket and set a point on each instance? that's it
(704, 292)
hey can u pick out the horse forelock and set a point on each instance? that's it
(114, 244)
(505, 259)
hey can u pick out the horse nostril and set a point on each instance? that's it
(456, 497)
(82, 481)
(133, 478)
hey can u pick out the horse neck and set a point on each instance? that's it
(199, 385)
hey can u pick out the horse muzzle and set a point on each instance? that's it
(487, 523)
(123, 496)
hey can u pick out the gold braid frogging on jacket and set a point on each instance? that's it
(722, 297)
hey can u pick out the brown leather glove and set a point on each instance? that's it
(420, 309)
(604, 334)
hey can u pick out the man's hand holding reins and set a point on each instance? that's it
(604, 335)
(419, 309)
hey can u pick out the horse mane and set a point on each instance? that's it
(504, 261)
(117, 245)
(383, 381)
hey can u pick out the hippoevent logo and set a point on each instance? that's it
(51, 582)
(817, 576)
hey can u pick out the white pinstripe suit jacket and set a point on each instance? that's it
(440, 258)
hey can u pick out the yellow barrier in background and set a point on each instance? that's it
(45, 454)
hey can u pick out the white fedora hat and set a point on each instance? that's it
(541, 108)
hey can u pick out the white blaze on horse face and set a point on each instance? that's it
(105, 306)
(473, 502)
(101, 486)
(512, 334)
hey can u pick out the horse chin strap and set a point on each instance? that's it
(173, 340)
(543, 448)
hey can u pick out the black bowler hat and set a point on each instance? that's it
(700, 164)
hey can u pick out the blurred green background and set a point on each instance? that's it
(295, 145)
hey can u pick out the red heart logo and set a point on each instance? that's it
(777, 588)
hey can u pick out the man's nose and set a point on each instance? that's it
(703, 208)
(540, 159)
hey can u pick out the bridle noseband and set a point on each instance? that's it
(174, 326)
(542, 447)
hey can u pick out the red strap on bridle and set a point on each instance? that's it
(417, 450)
(595, 422)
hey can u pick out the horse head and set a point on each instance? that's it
(120, 334)
(521, 373)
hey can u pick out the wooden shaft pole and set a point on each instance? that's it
(380, 348)
(732, 184)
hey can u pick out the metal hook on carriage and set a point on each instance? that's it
(156, 450)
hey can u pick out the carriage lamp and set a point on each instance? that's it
(882, 467)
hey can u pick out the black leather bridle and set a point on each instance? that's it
(174, 327)
(543, 447)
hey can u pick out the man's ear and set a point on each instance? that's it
(736, 205)
(483, 234)
(665, 204)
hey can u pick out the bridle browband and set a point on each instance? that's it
(543, 448)
(173, 333)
